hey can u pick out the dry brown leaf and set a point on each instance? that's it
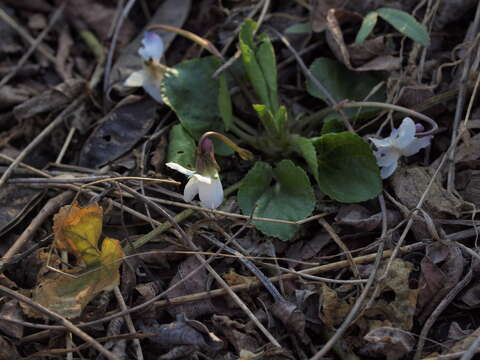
(401, 310)
(236, 333)
(409, 184)
(51, 100)
(11, 310)
(291, 316)
(333, 310)
(387, 341)
(441, 269)
(68, 293)
(232, 278)
(194, 284)
(319, 13)
(365, 57)
(360, 218)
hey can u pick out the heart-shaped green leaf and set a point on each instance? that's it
(344, 84)
(181, 147)
(347, 168)
(290, 198)
(189, 89)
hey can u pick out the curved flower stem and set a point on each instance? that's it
(243, 153)
(206, 44)
(355, 104)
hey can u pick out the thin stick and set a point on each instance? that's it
(62, 320)
(40, 137)
(111, 50)
(341, 245)
(128, 320)
(460, 104)
(33, 46)
(314, 80)
(436, 313)
(188, 241)
(359, 303)
(221, 292)
(43, 49)
(429, 120)
(63, 151)
(48, 209)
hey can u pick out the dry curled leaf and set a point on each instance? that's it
(68, 293)
(51, 100)
(77, 231)
(390, 342)
(441, 269)
(236, 333)
(409, 184)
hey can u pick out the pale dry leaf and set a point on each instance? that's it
(387, 341)
(409, 184)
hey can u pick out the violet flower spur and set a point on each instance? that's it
(401, 142)
(151, 75)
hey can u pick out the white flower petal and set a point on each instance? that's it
(153, 89)
(135, 79)
(386, 171)
(191, 189)
(406, 134)
(152, 47)
(211, 195)
(204, 179)
(380, 143)
(416, 145)
(386, 158)
(180, 168)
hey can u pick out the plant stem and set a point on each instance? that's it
(167, 225)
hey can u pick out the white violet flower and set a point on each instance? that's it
(401, 142)
(209, 188)
(150, 77)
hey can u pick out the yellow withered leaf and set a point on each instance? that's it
(77, 231)
(68, 293)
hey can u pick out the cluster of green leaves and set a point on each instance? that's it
(341, 163)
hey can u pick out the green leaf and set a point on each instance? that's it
(266, 59)
(266, 117)
(189, 90)
(342, 83)
(225, 103)
(247, 31)
(254, 184)
(368, 24)
(281, 119)
(305, 148)
(290, 198)
(254, 73)
(181, 147)
(301, 28)
(406, 24)
(332, 124)
(348, 170)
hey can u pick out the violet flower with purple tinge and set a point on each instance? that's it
(401, 142)
(151, 76)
